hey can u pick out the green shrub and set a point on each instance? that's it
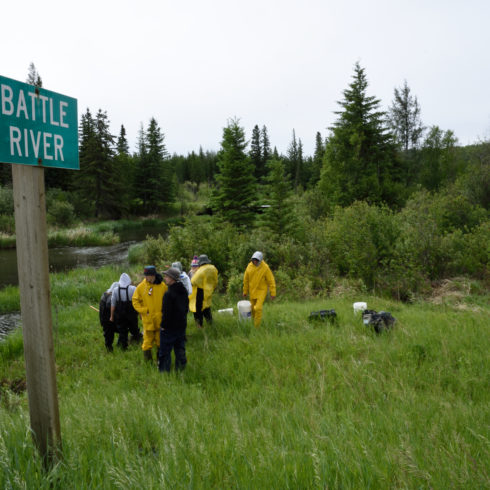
(61, 213)
(6, 201)
(7, 223)
(360, 240)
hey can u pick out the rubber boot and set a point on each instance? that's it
(148, 355)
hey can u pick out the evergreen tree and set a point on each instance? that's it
(317, 162)
(295, 161)
(33, 77)
(235, 191)
(154, 171)
(124, 164)
(279, 217)
(303, 170)
(122, 146)
(98, 181)
(256, 153)
(142, 175)
(266, 147)
(404, 119)
(360, 156)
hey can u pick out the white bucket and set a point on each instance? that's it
(359, 307)
(244, 310)
(228, 311)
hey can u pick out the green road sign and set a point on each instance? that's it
(37, 127)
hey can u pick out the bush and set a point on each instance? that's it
(6, 201)
(7, 224)
(361, 240)
(61, 213)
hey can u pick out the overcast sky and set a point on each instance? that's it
(193, 64)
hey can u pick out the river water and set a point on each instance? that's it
(66, 258)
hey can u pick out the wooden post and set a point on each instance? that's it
(33, 269)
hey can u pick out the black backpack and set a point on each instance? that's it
(124, 309)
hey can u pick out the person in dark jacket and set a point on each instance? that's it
(175, 306)
(123, 313)
(108, 326)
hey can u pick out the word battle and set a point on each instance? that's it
(26, 107)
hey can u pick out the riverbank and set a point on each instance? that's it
(102, 233)
(294, 403)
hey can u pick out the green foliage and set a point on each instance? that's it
(360, 161)
(404, 118)
(279, 217)
(6, 200)
(98, 189)
(475, 181)
(154, 173)
(235, 192)
(61, 213)
(439, 159)
(360, 239)
(7, 224)
(434, 233)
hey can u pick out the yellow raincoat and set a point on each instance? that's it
(147, 301)
(256, 281)
(206, 278)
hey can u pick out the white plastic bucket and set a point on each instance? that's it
(359, 307)
(228, 311)
(244, 310)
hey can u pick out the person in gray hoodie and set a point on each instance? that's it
(123, 314)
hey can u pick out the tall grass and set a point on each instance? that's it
(293, 404)
(96, 234)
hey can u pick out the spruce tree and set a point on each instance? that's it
(256, 153)
(98, 181)
(404, 119)
(235, 190)
(124, 163)
(33, 77)
(317, 162)
(295, 161)
(122, 142)
(360, 159)
(160, 178)
(142, 174)
(279, 217)
(154, 170)
(266, 148)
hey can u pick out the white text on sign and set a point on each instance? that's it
(31, 106)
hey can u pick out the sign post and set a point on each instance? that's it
(38, 129)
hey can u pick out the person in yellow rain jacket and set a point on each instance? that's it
(204, 282)
(147, 301)
(256, 280)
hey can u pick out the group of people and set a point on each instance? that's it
(163, 302)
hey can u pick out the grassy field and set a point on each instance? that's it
(294, 404)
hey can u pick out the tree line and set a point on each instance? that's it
(368, 155)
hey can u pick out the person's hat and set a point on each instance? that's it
(173, 272)
(258, 255)
(150, 270)
(177, 265)
(195, 261)
(203, 259)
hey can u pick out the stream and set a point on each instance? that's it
(66, 258)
